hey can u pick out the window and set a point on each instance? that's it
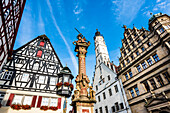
(144, 36)
(53, 81)
(135, 34)
(108, 77)
(42, 43)
(124, 53)
(143, 49)
(133, 45)
(155, 57)
(44, 101)
(149, 44)
(146, 86)
(129, 49)
(121, 106)
(39, 53)
(160, 81)
(36, 65)
(96, 111)
(130, 73)
(126, 76)
(116, 88)
(130, 39)
(149, 61)
(113, 109)
(161, 30)
(54, 102)
(2, 94)
(144, 65)
(96, 87)
(166, 75)
(106, 109)
(6, 75)
(27, 100)
(104, 95)
(17, 99)
(139, 68)
(132, 57)
(139, 41)
(100, 109)
(137, 53)
(41, 79)
(123, 64)
(110, 92)
(128, 61)
(101, 77)
(117, 106)
(132, 93)
(126, 43)
(25, 77)
(99, 98)
(153, 83)
(136, 90)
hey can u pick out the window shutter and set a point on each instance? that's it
(9, 102)
(39, 53)
(33, 101)
(42, 43)
(39, 101)
(59, 103)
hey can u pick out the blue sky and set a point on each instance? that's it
(58, 18)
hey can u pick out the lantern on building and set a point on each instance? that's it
(64, 84)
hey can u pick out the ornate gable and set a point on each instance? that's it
(34, 66)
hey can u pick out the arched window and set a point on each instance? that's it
(39, 53)
(42, 43)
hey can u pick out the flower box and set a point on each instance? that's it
(53, 108)
(16, 106)
(59, 84)
(44, 108)
(26, 107)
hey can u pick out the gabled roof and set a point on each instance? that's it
(41, 37)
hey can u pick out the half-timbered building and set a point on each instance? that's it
(10, 16)
(30, 77)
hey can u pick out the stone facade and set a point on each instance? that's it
(145, 66)
(110, 95)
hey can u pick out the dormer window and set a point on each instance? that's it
(161, 30)
(42, 43)
(39, 53)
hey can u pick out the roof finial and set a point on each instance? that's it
(66, 64)
(124, 26)
(97, 33)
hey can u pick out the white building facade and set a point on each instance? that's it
(110, 95)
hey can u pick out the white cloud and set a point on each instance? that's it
(114, 56)
(155, 9)
(158, 1)
(77, 10)
(126, 10)
(82, 27)
(62, 36)
(41, 25)
(25, 34)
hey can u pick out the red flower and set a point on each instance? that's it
(26, 107)
(66, 83)
(71, 86)
(53, 108)
(44, 108)
(59, 84)
(16, 106)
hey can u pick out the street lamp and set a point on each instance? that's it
(64, 84)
